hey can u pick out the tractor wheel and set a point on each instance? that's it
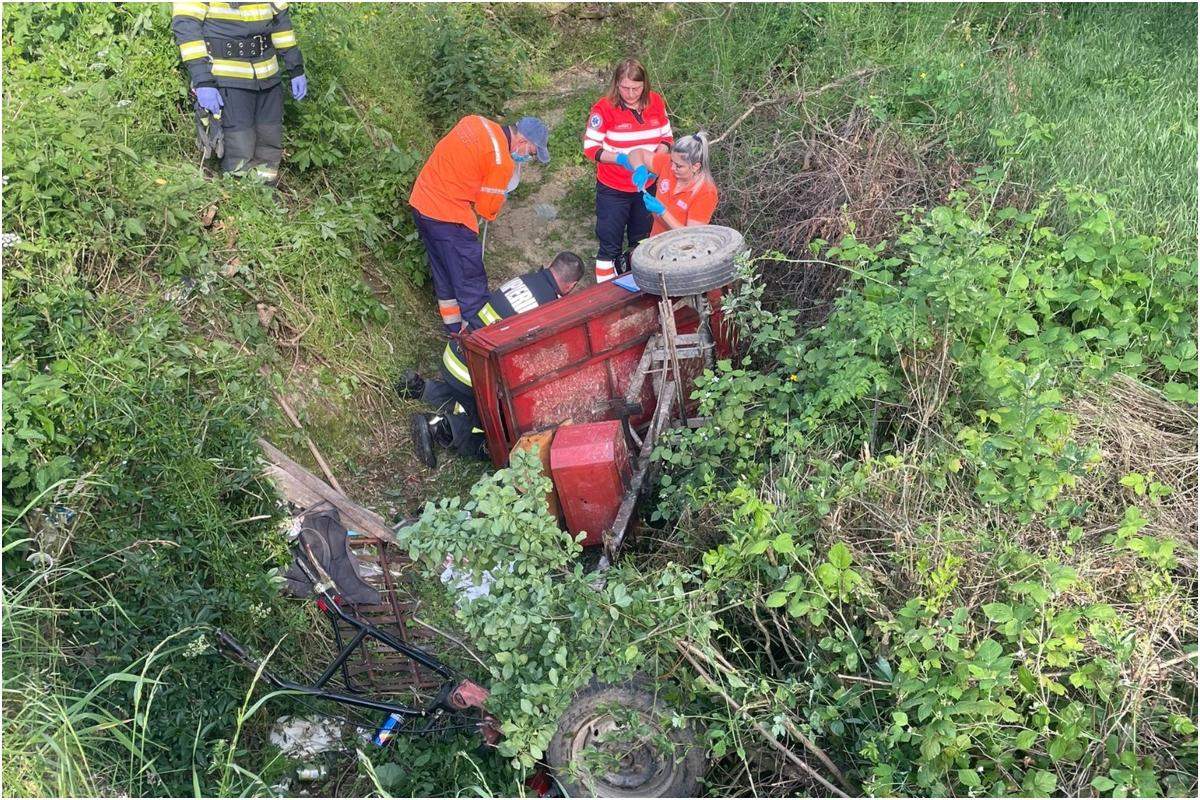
(618, 741)
(691, 260)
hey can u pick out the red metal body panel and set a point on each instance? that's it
(566, 361)
(590, 466)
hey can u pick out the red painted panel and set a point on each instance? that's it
(591, 470)
(577, 395)
(624, 324)
(544, 356)
(566, 360)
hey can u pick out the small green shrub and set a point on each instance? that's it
(472, 70)
(540, 618)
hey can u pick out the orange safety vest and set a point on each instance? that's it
(692, 206)
(471, 165)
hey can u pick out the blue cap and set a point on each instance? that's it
(535, 131)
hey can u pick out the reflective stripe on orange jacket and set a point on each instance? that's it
(471, 165)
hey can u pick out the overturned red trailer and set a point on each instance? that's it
(570, 363)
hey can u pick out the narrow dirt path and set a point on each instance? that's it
(534, 226)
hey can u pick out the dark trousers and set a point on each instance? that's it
(447, 397)
(252, 125)
(620, 216)
(456, 265)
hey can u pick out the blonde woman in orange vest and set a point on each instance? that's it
(469, 174)
(687, 194)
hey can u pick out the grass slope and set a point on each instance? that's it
(150, 313)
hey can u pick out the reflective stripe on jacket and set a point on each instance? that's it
(200, 27)
(516, 296)
(620, 129)
(470, 166)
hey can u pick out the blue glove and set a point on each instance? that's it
(299, 87)
(641, 177)
(651, 203)
(623, 161)
(208, 98)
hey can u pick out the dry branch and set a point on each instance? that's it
(796, 97)
(692, 654)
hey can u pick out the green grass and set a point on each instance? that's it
(153, 405)
(1102, 95)
(1114, 84)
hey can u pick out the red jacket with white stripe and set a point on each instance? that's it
(620, 129)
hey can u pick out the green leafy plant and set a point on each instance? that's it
(535, 613)
(472, 70)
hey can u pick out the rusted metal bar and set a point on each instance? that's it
(615, 536)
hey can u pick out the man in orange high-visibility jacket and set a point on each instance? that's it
(470, 172)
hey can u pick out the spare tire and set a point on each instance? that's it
(692, 260)
(619, 741)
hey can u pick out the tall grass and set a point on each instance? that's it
(1115, 83)
(1109, 90)
(60, 741)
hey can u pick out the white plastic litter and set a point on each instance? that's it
(305, 737)
(462, 581)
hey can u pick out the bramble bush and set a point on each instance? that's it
(949, 597)
(901, 545)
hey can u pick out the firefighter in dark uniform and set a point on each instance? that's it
(455, 421)
(233, 54)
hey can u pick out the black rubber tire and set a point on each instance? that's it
(693, 260)
(588, 716)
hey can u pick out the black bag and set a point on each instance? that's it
(324, 537)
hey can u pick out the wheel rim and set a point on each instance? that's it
(684, 245)
(631, 768)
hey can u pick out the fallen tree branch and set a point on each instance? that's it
(312, 447)
(370, 131)
(690, 652)
(867, 681)
(799, 97)
(458, 642)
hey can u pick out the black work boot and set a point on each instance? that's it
(440, 430)
(422, 437)
(410, 386)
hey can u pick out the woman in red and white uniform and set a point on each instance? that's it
(629, 118)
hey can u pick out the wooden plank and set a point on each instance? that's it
(306, 485)
(292, 489)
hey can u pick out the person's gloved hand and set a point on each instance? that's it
(642, 176)
(651, 203)
(623, 161)
(208, 98)
(299, 87)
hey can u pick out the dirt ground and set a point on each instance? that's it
(521, 238)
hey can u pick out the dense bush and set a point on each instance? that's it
(470, 70)
(537, 616)
(921, 493)
(134, 516)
